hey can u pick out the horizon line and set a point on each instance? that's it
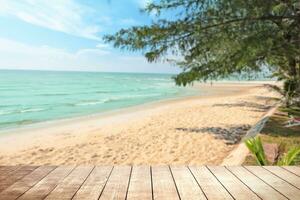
(49, 70)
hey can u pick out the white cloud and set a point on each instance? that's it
(16, 55)
(61, 15)
(143, 3)
(129, 21)
(22, 56)
(102, 45)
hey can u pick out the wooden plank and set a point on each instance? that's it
(6, 171)
(258, 186)
(140, 186)
(5, 168)
(15, 176)
(236, 188)
(69, 186)
(211, 187)
(163, 183)
(284, 174)
(117, 184)
(21, 186)
(293, 169)
(47, 184)
(143, 182)
(277, 183)
(93, 186)
(187, 186)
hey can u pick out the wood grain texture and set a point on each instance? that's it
(47, 184)
(211, 187)
(15, 176)
(258, 186)
(284, 174)
(68, 187)
(6, 171)
(140, 186)
(233, 185)
(146, 182)
(117, 184)
(163, 184)
(93, 186)
(293, 169)
(277, 183)
(187, 186)
(21, 186)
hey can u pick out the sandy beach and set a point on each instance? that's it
(193, 130)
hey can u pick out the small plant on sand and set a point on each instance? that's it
(256, 148)
(291, 157)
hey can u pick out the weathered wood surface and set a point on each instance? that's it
(149, 182)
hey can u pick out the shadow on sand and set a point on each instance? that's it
(254, 106)
(231, 135)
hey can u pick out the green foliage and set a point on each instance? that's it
(290, 91)
(214, 39)
(290, 86)
(290, 157)
(295, 111)
(255, 147)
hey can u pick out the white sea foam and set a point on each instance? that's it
(32, 110)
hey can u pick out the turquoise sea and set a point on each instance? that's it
(28, 97)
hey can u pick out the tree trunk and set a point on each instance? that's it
(298, 64)
(293, 68)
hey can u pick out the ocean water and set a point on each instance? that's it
(28, 97)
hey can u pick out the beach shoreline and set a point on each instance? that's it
(52, 140)
(144, 106)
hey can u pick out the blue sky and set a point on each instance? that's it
(66, 35)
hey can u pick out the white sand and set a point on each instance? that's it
(170, 132)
